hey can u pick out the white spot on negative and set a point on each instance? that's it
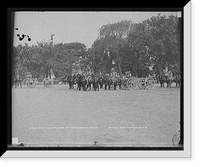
(15, 140)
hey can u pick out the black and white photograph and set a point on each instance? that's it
(97, 80)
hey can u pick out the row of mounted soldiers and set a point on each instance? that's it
(107, 82)
(110, 82)
(162, 79)
(93, 82)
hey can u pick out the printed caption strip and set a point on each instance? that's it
(87, 127)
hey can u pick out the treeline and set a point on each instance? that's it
(149, 47)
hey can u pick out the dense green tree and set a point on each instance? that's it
(150, 46)
(114, 38)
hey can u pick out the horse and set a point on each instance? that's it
(81, 81)
(64, 79)
(108, 82)
(69, 80)
(117, 82)
(100, 81)
(90, 81)
(17, 82)
(162, 79)
(96, 83)
(177, 80)
(105, 82)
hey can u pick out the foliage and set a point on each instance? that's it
(143, 48)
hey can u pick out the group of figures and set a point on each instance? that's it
(168, 80)
(106, 82)
(92, 82)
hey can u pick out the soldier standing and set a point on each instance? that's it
(105, 82)
(109, 83)
(120, 83)
(114, 82)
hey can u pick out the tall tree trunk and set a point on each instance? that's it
(120, 68)
(94, 69)
(161, 67)
(47, 71)
(70, 68)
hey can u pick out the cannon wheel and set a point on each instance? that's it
(150, 83)
(142, 83)
(47, 83)
(25, 81)
(176, 138)
(31, 83)
(124, 85)
(132, 83)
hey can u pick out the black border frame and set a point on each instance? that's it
(10, 27)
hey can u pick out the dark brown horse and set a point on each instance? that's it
(162, 79)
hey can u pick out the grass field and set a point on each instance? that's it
(59, 116)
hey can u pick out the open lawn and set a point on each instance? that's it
(59, 116)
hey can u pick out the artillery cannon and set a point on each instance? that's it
(141, 83)
(32, 82)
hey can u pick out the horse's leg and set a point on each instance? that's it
(162, 84)
(93, 85)
(105, 86)
(120, 86)
(20, 83)
(108, 86)
(170, 83)
(167, 83)
(85, 85)
(101, 85)
(114, 86)
(90, 86)
(79, 87)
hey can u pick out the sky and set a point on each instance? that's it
(70, 26)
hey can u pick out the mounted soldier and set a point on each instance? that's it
(109, 82)
(96, 83)
(64, 79)
(81, 81)
(84, 82)
(120, 83)
(104, 82)
(161, 79)
(78, 80)
(90, 81)
(69, 80)
(115, 82)
(17, 81)
(177, 80)
(100, 80)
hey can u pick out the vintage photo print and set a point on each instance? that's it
(99, 81)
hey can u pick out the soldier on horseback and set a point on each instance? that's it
(114, 82)
(81, 81)
(161, 79)
(100, 80)
(90, 81)
(17, 81)
(69, 80)
(96, 83)
(107, 82)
